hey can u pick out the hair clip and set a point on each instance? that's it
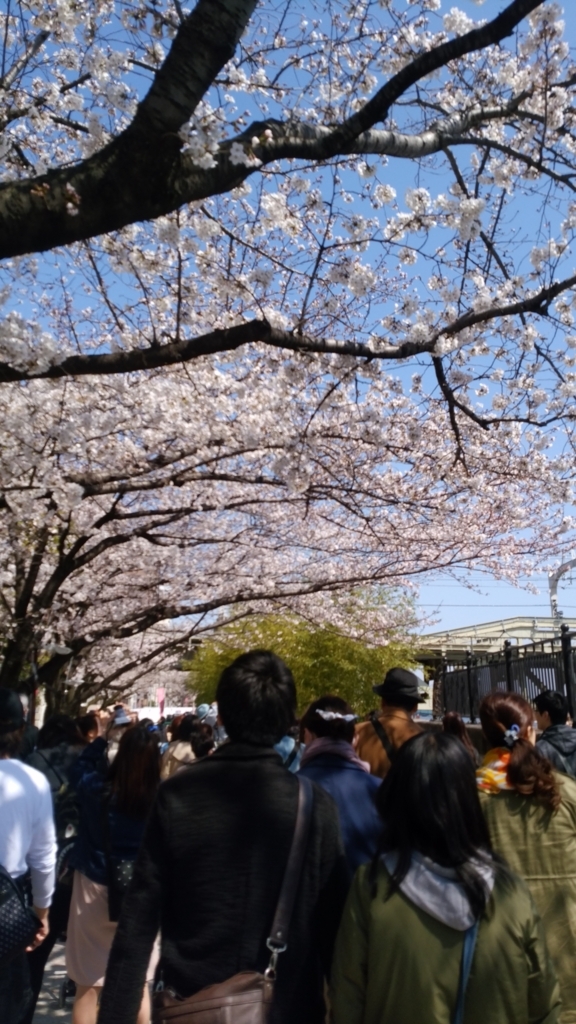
(329, 716)
(512, 735)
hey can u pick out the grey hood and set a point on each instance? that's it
(437, 890)
(561, 737)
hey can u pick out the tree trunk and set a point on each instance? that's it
(62, 699)
(16, 656)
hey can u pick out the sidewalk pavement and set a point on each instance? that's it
(47, 1008)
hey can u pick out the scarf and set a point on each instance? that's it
(326, 745)
(492, 776)
(438, 891)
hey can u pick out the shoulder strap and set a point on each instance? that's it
(292, 756)
(382, 736)
(52, 768)
(470, 937)
(279, 933)
(105, 824)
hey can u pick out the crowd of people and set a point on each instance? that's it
(414, 879)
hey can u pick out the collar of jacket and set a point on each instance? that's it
(400, 713)
(557, 730)
(327, 760)
(246, 752)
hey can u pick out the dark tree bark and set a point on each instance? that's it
(142, 173)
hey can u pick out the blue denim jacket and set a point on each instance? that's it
(88, 777)
(354, 792)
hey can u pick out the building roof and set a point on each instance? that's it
(489, 636)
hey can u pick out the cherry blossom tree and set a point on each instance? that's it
(287, 231)
(131, 518)
(314, 371)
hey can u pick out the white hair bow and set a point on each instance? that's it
(329, 716)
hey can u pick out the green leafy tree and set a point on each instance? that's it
(322, 660)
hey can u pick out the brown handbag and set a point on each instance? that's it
(246, 998)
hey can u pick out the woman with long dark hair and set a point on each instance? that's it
(530, 810)
(412, 912)
(453, 725)
(114, 808)
(179, 751)
(202, 739)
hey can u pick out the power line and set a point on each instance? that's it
(518, 607)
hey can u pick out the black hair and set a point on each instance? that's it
(134, 774)
(429, 803)
(10, 743)
(400, 701)
(256, 698)
(185, 728)
(58, 728)
(202, 739)
(453, 725)
(555, 704)
(337, 728)
(86, 723)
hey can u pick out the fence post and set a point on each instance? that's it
(469, 680)
(508, 664)
(439, 692)
(566, 641)
(444, 674)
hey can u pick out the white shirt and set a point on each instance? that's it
(27, 834)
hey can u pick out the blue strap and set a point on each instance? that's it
(470, 936)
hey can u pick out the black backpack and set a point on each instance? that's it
(66, 810)
(66, 823)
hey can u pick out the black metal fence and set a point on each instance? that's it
(526, 669)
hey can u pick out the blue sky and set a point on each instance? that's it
(453, 604)
(476, 597)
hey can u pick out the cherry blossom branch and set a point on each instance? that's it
(454, 403)
(537, 303)
(142, 173)
(145, 659)
(232, 338)
(377, 108)
(11, 76)
(488, 242)
(298, 140)
(204, 43)
(515, 154)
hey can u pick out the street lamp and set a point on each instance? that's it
(553, 578)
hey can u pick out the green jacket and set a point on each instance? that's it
(541, 847)
(394, 964)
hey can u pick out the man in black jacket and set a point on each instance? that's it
(558, 740)
(212, 862)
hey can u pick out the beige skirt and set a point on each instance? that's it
(90, 934)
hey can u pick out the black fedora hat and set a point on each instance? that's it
(399, 682)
